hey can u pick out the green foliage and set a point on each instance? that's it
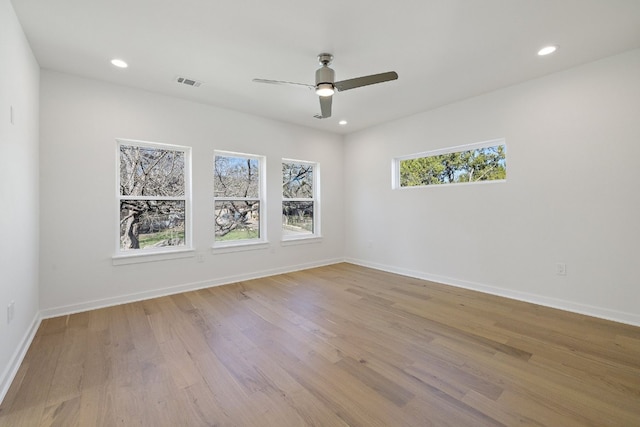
(168, 237)
(242, 234)
(482, 164)
(421, 171)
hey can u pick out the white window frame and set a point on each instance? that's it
(244, 244)
(316, 236)
(395, 163)
(167, 252)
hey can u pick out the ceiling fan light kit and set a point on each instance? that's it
(326, 85)
(324, 89)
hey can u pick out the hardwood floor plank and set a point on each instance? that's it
(573, 376)
(339, 345)
(285, 390)
(62, 413)
(509, 416)
(295, 325)
(334, 388)
(571, 342)
(68, 375)
(96, 407)
(392, 391)
(543, 411)
(28, 402)
(552, 391)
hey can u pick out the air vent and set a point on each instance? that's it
(187, 81)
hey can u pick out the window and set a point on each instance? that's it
(465, 164)
(238, 205)
(154, 197)
(300, 211)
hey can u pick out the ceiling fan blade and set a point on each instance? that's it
(325, 106)
(278, 82)
(365, 81)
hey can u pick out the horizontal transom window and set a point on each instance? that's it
(479, 162)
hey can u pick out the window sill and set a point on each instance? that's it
(291, 241)
(135, 258)
(239, 247)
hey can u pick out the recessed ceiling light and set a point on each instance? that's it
(342, 122)
(547, 50)
(119, 63)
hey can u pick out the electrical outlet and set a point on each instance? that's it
(200, 257)
(10, 311)
(561, 269)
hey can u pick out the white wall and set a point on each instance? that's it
(80, 121)
(19, 82)
(573, 143)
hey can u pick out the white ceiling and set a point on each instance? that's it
(443, 50)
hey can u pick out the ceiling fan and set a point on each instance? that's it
(325, 85)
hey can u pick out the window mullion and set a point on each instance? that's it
(236, 199)
(297, 199)
(129, 197)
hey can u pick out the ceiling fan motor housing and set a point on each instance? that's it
(325, 74)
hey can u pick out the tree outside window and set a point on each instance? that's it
(153, 195)
(299, 204)
(478, 163)
(237, 197)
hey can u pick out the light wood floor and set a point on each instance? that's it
(334, 346)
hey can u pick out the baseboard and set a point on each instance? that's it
(186, 287)
(18, 356)
(599, 312)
